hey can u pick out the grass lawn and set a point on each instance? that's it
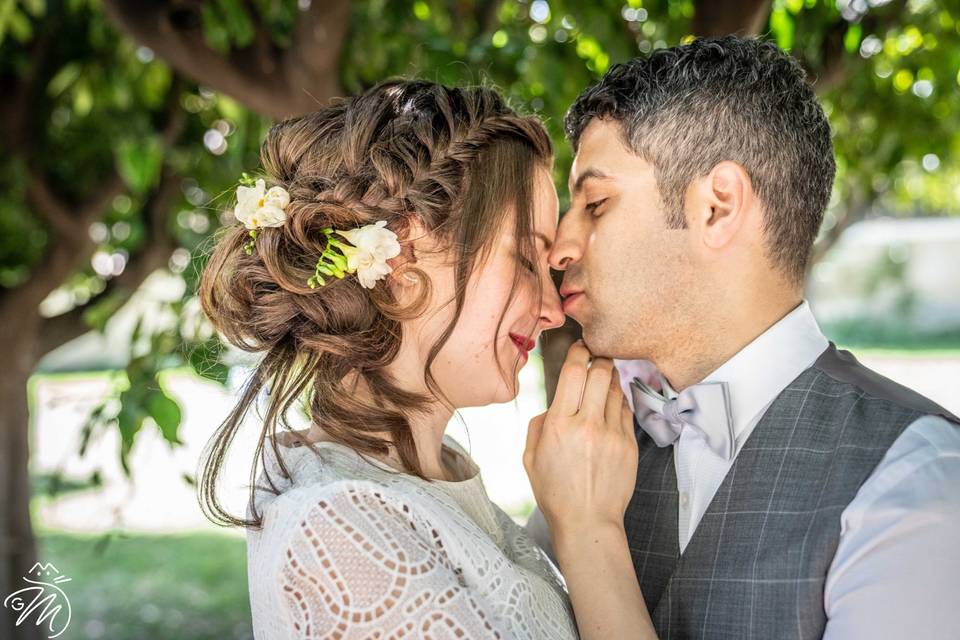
(877, 336)
(158, 587)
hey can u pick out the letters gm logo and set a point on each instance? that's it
(42, 600)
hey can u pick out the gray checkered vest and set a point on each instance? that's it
(756, 565)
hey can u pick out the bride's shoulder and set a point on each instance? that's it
(348, 502)
(296, 438)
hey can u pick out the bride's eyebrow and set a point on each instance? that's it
(547, 245)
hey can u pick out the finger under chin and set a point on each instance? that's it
(597, 387)
(573, 375)
(534, 429)
(615, 400)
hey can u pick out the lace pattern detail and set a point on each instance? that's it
(354, 551)
(362, 566)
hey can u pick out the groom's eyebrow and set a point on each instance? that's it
(591, 172)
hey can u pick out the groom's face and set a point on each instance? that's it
(627, 275)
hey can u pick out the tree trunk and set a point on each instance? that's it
(276, 83)
(730, 17)
(18, 551)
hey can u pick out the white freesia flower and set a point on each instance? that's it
(373, 245)
(257, 208)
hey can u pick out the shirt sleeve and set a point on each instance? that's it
(360, 562)
(896, 573)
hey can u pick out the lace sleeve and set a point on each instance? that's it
(360, 563)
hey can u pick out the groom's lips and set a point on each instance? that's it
(569, 297)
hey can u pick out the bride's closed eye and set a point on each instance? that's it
(526, 264)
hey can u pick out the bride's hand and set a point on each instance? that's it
(581, 455)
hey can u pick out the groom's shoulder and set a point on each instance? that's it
(842, 368)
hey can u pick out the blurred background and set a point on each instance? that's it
(120, 123)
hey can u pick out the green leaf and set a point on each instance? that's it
(166, 413)
(6, 12)
(782, 26)
(238, 23)
(851, 41)
(36, 8)
(205, 360)
(20, 27)
(98, 314)
(129, 421)
(82, 98)
(214, 32)
(139, 162)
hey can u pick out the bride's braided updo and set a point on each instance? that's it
(458, 159)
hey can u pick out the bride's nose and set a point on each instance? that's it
(551, 311)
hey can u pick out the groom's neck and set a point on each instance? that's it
(722, 338)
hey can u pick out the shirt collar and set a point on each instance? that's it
(757, 374)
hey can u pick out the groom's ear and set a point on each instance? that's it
(720, 204)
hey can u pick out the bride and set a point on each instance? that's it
(392, 267)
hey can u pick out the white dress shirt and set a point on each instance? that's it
(896, 572)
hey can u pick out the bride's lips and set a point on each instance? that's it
(523, 343)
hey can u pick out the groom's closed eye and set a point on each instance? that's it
(591, 207)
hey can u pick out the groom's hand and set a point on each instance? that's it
(581, 454)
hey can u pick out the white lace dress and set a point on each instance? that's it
(351, 548)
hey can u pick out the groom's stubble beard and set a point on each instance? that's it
(645, 310)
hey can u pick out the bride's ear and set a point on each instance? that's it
(413, 234)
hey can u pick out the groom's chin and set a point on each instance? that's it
(599, 345)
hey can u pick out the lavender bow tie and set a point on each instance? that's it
(704, 407)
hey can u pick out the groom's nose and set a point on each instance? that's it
(568, 245)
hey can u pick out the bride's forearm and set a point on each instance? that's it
(603, 586)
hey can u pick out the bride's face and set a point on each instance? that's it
(467, 367)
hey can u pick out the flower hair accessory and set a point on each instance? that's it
(258, 207)
(367, 254)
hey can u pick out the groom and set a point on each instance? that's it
(784, 490)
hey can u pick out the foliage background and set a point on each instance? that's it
(126, 125)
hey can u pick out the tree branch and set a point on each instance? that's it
(487, 16)
(831, 70)
(70, 244)
(153, 254)
(175, 33)
(15, 111)
(726, 17)
(308, 70)
(311, 64)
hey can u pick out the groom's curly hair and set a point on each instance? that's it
(457, 159)
(686, 108)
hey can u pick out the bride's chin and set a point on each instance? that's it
(505, 392)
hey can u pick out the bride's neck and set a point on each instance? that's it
(427, 428)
